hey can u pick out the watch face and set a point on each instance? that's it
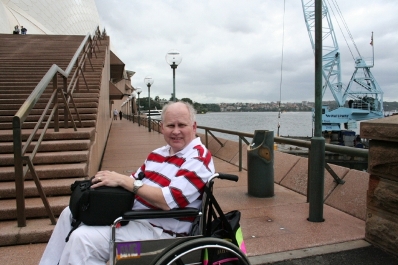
(138, 183)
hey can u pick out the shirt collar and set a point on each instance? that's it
(182, 152)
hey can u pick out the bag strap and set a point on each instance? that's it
(212, 202)
(82, 185)
(75, 225)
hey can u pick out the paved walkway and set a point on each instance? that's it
(275, 229)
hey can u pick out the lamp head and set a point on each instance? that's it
(148, 81)
(173, 58)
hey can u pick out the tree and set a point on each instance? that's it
(144, 104)
(213, 107)
(187, 100)
(171, 98)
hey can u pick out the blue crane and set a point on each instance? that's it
(362, 98)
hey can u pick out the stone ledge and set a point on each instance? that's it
(385, 129)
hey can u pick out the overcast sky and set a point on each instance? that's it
(232, 50)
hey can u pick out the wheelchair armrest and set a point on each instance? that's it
(153, 214)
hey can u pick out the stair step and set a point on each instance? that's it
(43, 105)
(48, 146)
(35, 118)
(48, 158)
(81, 98)
(63, 134)
(34, 207)
(51, 187)
(9, 112)
(31, 125)
(35, 231)
(56, 171)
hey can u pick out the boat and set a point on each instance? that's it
(155, 114)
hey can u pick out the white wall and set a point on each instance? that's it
(66, 17)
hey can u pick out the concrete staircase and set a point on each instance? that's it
(63, 156)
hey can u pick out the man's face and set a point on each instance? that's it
(177, 128)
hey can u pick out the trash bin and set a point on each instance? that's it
(260, 164)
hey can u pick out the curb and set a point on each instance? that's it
(307, 252)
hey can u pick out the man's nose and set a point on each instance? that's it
(176, 130)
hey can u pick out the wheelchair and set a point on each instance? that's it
(177, 250)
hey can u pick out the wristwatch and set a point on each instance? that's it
(137, 184)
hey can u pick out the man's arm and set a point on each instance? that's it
(152, 195)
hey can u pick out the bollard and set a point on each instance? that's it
(260, 164)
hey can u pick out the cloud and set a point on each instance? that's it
(232, 50)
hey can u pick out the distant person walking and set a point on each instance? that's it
(120, 114)
(23, 30)
(16, 30)
(115, 113)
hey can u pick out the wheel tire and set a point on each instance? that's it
(176, 255)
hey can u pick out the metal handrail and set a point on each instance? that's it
(346, 150)
(23, 162)
(302, 143)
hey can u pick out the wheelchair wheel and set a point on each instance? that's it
(192, 251)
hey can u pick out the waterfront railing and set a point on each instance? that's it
(241, 137)
(338, 149)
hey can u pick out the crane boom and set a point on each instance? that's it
(362, 98)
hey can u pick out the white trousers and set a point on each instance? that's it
(90, 245)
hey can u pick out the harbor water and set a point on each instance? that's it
(294, 124)
(291, 123)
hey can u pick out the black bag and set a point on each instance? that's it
(225, 226)
(99, 206)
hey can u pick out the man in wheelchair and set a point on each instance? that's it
(175, 177)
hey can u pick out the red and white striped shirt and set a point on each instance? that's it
(181, 177)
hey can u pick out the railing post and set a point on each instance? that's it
(207, 139)
(316, 174)
(18, 167)
(240, 154)
(56, 114)
(78, 69)
(65, 87)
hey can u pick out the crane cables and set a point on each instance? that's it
(280, 82)
(340, 14)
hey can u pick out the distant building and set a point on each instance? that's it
(66, 17)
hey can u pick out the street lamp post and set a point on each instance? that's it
(131, 101)
(148, 82)
(174, 58)
(139, 113)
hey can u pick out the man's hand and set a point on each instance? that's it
(152, 195)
